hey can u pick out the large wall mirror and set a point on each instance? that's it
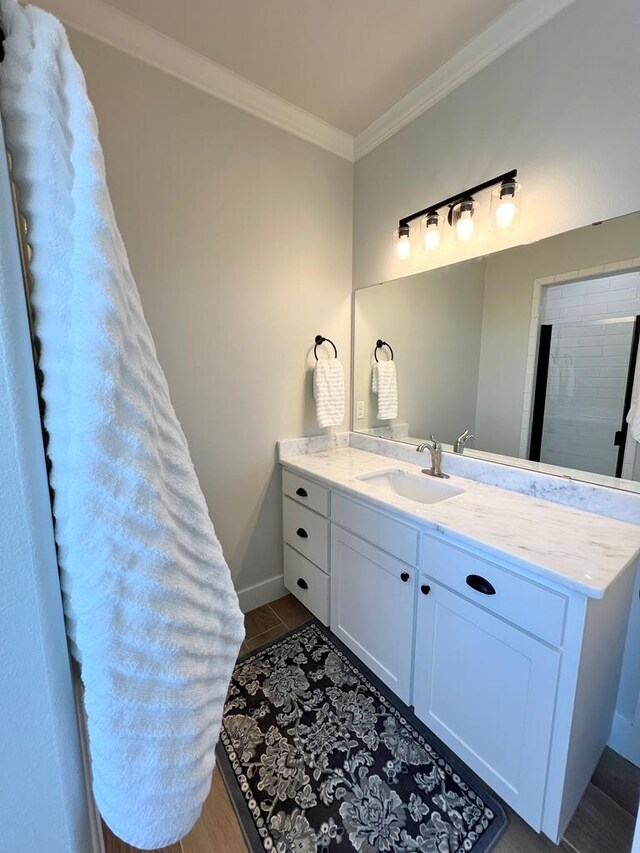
(532, 349)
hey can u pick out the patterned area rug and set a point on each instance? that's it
(319, 757)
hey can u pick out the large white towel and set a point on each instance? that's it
(151, 611)
(384, 383)
(328, 392)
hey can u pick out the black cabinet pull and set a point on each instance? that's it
(404, 577)
(302, 533)
(302, 583)
(481, 584)
(425, 589)
(302, 492)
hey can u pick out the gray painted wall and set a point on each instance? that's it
(239, 237)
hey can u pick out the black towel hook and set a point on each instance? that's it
(320, 339)
(379, 345)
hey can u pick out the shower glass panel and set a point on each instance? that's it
(585, 398)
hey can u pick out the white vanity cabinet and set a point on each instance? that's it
(517, 677)
(372, 606)
(487, 689)
(374, 560)
(305, 507)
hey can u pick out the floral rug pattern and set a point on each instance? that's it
(326, 763)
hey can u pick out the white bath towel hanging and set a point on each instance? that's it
(151, 611)
(384, 383)
(328, 392)
(633, 415)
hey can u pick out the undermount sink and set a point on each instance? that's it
(417, 487)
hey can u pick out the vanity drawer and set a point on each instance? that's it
(307, 583)
(536, 609)
(307, 532)
(306, 492)
(386, 533)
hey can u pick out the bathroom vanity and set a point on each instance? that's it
(499, 617)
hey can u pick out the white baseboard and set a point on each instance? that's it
(625, 739)
(261, 593)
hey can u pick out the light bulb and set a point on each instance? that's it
(465, 226)
(431, 238)
(505, 213)
(430, 227)
(505, 206)
(403, 248)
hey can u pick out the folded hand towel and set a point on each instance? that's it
(384, 383)
(328, 392)
(152, 615)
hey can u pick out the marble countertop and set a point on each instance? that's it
(571, 547)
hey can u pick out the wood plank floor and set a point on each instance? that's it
(603, 822)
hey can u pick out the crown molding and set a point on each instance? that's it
(515, 24)
(104, 22)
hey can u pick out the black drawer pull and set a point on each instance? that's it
(302, 533)
(404, 577)
(425, 589)
(302, 492)
(481, 584)
(302, 583)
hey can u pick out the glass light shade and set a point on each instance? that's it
(431, 232)
(464, 221)
(402, 244)
(505, 206)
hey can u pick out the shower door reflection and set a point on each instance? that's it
(583, 392)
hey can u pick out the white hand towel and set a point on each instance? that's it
(384, 383)
(328, 392)
(151, 611)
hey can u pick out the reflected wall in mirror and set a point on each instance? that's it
(532, 349)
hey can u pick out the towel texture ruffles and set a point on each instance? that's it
(151, 612)
(328, 392)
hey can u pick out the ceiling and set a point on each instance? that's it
(344, 61)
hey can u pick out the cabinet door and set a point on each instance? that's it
(372, 608)
(488, 691)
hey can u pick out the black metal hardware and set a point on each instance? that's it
(302, 492)
(465, 195)
(540, 393)
(425, 589)
(379, 345)
(322, 340)
(404, 577)
(302, 583)
(621, 435)
(481, 584)
(302, 533)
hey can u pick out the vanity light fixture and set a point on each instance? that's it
(462, 216)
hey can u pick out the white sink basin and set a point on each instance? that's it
(417, 487)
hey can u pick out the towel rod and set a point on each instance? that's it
(320, 339)
(379, 345)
